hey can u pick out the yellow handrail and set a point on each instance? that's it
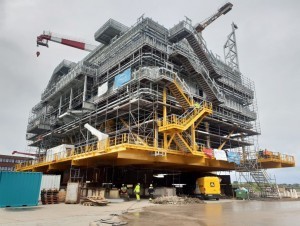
(184, 119)
(275, 156)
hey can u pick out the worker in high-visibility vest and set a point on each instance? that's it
(196, 105)
(137, 191)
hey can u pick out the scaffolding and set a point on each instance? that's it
(165, 73)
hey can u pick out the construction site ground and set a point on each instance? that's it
(216, 213)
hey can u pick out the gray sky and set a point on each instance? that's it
(268, 43)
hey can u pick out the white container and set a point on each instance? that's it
(72, 195)
(50, 182)
(59, 152)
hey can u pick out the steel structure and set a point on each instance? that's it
(230, 49)
(160, 96)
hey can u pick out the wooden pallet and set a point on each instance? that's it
(49, 197)
(94, 201)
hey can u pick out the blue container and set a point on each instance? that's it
(19, 188)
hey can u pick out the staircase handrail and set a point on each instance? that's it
(200, 67)
(186, 117)
(182, 84)
(200, 40)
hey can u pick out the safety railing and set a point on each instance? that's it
(186, 117)
(41, 120)
(269, 156)
(159, 73)
(105, 146)
(80, 68)
(198, 66)
(287, 159)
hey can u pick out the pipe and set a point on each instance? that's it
(95, 132)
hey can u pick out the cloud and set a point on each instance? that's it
(267, 37)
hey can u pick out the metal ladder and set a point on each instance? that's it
(75, 175)
(250, 169)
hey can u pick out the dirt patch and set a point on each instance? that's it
(175, 200)
(163, 215)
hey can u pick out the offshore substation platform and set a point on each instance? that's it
(149, 99)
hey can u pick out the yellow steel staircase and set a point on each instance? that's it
(179, 123)
(178, 92)
(180, 129)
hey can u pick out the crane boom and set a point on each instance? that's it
(221, 11)
(24, 153)
(49, 36)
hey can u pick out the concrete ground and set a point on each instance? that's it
(212, 213)
(220, 213)
(66, 214)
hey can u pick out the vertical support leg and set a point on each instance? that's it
(60, 103)
(165, 116)
(243, 149)
(84, 89)
(155, 131)
(207, 137)
(71, 98)
(193, 136)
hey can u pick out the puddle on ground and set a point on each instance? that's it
(235, 213)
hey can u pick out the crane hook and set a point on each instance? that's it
(38, 53)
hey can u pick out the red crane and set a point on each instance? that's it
(24, 153)
(42, 40)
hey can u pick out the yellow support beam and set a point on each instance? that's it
(170, 141)
(184, 142)
(108, 150)
(225, 141)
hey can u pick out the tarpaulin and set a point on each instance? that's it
(220, 155)
(122, 78)
(208, 152)
(234, 157)
(102, 89)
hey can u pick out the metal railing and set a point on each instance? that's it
(78, 69)
(159, 73)
(99, 146)
(269, 156)
(104, 146)
(186, 117)
(198, 66)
